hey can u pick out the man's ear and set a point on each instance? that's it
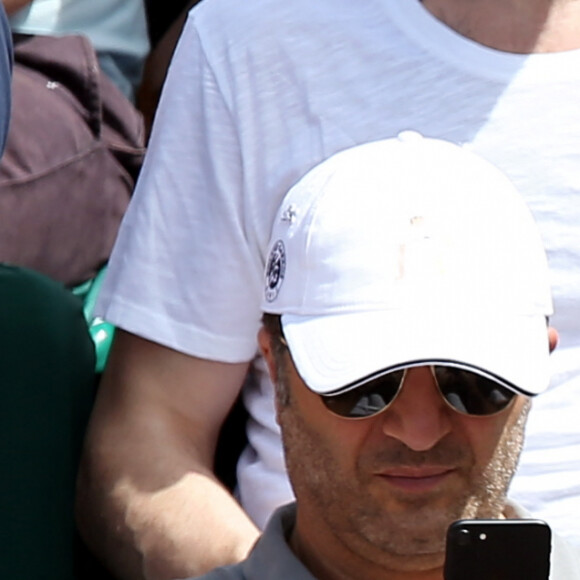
(552, 338)
(265, 343)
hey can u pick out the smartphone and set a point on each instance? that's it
(498, 550)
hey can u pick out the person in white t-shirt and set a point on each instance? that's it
(257, 94)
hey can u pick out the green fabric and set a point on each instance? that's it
(46, 392)
(101, 331)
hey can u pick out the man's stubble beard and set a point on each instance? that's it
(418, 525)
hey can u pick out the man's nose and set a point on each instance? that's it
(418, 417)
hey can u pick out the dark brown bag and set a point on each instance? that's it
(74, 150)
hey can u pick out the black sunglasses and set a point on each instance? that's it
(464, 391)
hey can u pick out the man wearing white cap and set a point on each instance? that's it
(406, 331)
(257, 94)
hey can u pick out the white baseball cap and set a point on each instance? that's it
(404, 252)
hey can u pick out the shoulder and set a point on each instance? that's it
(229, 12)
(233, 22)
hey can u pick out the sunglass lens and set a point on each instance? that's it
(471, 393)
(367, 400)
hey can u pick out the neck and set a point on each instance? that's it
(518, 26)
(331, 559)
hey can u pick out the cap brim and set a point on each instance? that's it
(339, 351)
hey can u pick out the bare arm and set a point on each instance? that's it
(12, 6)
(148, 503)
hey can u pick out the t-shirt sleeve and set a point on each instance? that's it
(184, 272)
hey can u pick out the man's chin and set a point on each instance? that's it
(413, 551)
(420, 532)
(422, 524)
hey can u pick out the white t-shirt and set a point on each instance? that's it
(259, 92)
(115, 27)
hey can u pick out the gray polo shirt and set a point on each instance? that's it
(272, 558)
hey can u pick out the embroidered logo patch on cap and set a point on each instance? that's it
(275, 271)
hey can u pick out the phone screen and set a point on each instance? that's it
(498, 550)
